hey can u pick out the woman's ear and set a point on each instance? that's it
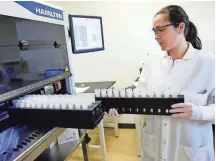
(181, 27)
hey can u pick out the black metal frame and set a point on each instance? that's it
(145, 106)
(83, 119)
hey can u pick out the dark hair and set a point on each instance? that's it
(177, 15)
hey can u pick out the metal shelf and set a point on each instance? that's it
(32, 87)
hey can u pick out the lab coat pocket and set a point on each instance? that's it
(149, 145)
(184, 153)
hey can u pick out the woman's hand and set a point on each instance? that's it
(184, 110)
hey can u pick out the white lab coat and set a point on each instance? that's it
(169, 139)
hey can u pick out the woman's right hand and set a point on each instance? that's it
(113, 113)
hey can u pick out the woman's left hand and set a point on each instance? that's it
(184, 110)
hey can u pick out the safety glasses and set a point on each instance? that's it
(160, 29)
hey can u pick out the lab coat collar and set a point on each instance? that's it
(188, 55)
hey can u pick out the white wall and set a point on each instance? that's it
(128, 36)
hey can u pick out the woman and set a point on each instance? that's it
(183, 68)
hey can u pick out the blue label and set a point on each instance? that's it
(42, 10)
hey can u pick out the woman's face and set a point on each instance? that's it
(166, 34)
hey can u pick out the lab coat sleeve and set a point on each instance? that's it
(207, 112)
